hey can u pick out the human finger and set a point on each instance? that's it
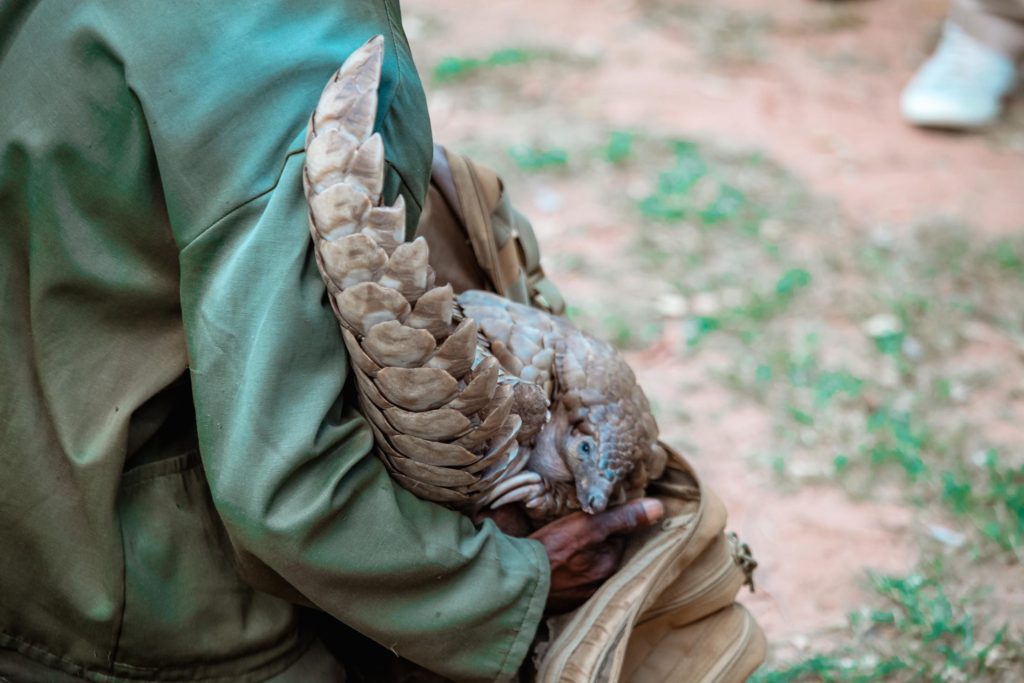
(569, 535)
(636, 514)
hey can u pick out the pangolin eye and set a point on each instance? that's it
(585, 447)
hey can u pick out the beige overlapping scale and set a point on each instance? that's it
(407, 269)
(511, 464)
(544, 360)
(570, 368)
(327, 157)
(438, 494)
(386, 225)
(433, 312)
(495, 329)
(440, 424)
(332, 289)
(359, 359)
(378, 422)
(496, 411)
(416, 477)
(370, 391)
(365, 172)
(417, 389)
(530, 373)
(508, 360)
(500, 445)
(457, 353)
(525, 342)
(435, 452)
(437, 476)
(349, 100)
(384, 449)
(351, 260)
(479, 390)
(393, 344)
(368, 304)
(339, 211)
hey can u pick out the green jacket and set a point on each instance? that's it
(175, 426)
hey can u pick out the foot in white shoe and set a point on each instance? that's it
(962, 85)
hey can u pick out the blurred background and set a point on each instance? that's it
(823, 302)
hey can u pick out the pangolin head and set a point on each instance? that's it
(610, 430)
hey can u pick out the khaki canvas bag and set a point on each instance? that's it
(669, 613)
(477, 239)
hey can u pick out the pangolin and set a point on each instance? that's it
(474, 401)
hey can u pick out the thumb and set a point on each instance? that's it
(636, 514)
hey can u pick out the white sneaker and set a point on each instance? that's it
(962, 85)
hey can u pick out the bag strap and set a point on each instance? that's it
(503, 241)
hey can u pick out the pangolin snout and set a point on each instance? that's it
(593, 493)
(595, 503)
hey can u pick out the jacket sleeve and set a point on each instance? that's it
(226, 93)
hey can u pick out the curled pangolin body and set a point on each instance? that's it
(471, 397)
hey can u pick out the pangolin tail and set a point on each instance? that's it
(440, 413)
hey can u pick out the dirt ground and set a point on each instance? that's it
(813, 87)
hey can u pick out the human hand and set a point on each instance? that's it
(584, 549)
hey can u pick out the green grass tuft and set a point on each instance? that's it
(917, 633)
(529, 158)
(455, 68)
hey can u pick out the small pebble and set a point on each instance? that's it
(912, 348)
(672, 305)
(547, 200)
(706, 303)
(946, 536)
(881, 325)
